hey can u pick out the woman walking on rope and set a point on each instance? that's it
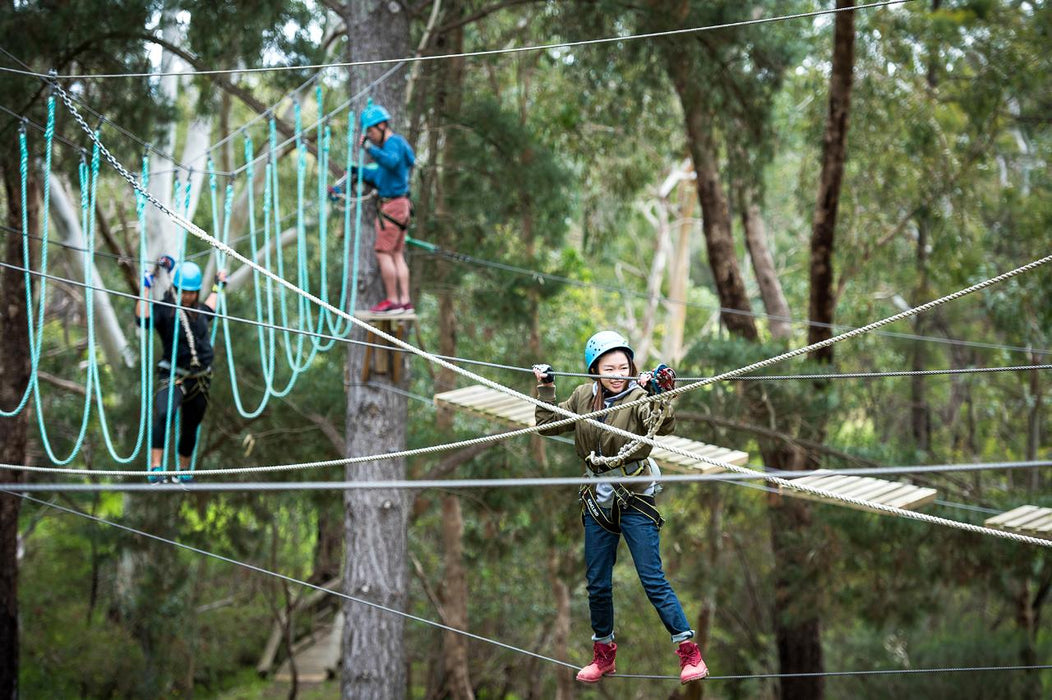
(395, 159)
(186, 387)
(613, 511)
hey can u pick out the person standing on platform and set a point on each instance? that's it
(394, 159)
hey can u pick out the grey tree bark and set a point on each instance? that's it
(763, 266)
(374, 659)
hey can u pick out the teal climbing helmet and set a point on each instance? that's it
(602, 343)
(187, 277)
(373, 115)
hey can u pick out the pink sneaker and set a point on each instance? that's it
(602, 663)
(386, 307)
(408, 308)
(692, 667)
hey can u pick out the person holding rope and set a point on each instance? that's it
(613, 511)
(394, 160)
(186, 388)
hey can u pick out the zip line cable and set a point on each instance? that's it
(432, 249)
(495, 365)
(525, 652)
(591, 418)
(289, 579)
(471, 54)
(480, 483)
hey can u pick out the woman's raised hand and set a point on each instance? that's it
(544, 373)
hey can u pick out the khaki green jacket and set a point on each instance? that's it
(589, 438)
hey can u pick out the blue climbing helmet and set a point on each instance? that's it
(187, 277)
(373, 115)
(602, 343)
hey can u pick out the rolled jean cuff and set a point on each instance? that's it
(607, 639)
(682, 636)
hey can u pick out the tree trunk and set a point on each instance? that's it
(679, 283)
(796, 598)
(564, 678)
(834, 152)
(659, 262)
(707, 614)
(797, 622)
(1033, 423)
(454, 601)
(715, 210)
(763, 266)
(374, 665)
(920, 412)
(14, 377)
(327, 549)
(67, 220)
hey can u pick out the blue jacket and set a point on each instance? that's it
(396, 159)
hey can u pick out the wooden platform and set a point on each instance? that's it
(386, 359)
(491, 403)
(1027, 520)
(494, 404)
(898, 494)
(369, 316)
(317, 656)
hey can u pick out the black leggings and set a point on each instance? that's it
(192, 396)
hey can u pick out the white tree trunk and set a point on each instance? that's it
(679, 282)
(107, 324)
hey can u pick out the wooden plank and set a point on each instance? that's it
(915, 498)
(461, 397)
(880, 491)
(999, 520)
(1027, 519)
(496, 400)
(1045, 526)
(1009, 516)
(317, 655)
(377, 319)
(863, 487)
(833, 483)
(1021, 521)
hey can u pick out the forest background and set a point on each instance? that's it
(719, 196)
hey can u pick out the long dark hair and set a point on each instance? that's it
(597, 400)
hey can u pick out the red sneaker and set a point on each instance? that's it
(386, 307)
(692, 667)
(602, 663)
(408, 308)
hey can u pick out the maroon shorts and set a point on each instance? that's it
(390, 237)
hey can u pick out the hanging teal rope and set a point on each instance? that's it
(145, 356)
(87, 187)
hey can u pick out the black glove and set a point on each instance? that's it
(547, 373)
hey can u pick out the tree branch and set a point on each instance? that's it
(244, 95)
(484, 12)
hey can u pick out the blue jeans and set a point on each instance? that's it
(644, 542)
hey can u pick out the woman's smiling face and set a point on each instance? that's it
(614, 362)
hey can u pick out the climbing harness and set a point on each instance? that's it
(403, 226)
(610, 518)
(600, 465)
